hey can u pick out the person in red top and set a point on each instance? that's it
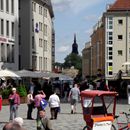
(14, 101)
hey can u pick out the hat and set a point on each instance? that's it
(13, 89)
(18, 120)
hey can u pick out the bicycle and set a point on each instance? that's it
(122, 125)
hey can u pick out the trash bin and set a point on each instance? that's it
(128, 93)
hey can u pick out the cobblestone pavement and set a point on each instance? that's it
(65, 121)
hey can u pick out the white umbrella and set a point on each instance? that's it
(27, 73)
(126, 63)
(8, 73)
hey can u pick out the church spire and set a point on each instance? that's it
(75, 46)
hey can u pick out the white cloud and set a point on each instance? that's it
(74, 5)
(63, 49)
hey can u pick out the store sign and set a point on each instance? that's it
(105, 125)
(3, 39)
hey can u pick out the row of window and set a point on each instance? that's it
(42, 43)
(8, 4)
(9, 28)
(7, 53)
(42, 10)
(39, 27)
(42, 63)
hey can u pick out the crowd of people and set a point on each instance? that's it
(38, 98)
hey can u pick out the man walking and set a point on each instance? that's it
(14, 101)
(74, 97)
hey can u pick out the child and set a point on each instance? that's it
(44, 123)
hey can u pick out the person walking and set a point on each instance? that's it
(44, 123)
(14, 101)
(30, 104)
(74, 97)
(54, 103)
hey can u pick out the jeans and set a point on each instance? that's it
(13, 111)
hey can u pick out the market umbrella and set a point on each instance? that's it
(27, 73)
(8, 73)
(126, 63)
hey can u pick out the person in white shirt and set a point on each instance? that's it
(54, 103)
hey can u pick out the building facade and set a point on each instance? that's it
(110, 40)
(117, 37)
(36, 35)
(98, 47)
(9, 19)
(86, 60)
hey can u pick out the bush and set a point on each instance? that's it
(22, 91)
(5, 93)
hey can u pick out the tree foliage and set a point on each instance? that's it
(73, 60)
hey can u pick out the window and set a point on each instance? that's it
(40, 26)
(119, 52)
(120, 21)
(40, 10)
(7, 6)
(32, 25)
(12, 6)
(1, 5)
(45, 29)
(34, 62)
(2, 27)
(8, 53)
(120, 37)
(12, 53)
(45, 45)
(33, 45)
(40, 63)
(2, 52)
(12, 29)
(34, 6)
(110, 23)
(40, 42)
(7, 28)
(45, 12)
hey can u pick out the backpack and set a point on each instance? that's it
(43, 103)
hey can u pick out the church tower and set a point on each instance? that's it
(75, 46)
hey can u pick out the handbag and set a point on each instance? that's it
(43, 103)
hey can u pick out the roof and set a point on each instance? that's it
(93, 93)
(120, 5)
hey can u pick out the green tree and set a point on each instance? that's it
(73, 60)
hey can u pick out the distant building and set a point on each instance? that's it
(9, 19)
(110, 40)
(75, 46)
(86, 60)
(36, 39)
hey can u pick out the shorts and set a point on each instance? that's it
(73, 101)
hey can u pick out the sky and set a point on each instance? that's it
(75, 17)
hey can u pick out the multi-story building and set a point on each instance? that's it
(117, 37)
(110, 40)
(35, 29)
(86, 60)
(98, 48)
(9, 34)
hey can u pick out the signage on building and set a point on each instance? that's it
(10, 41)
(3, 39)
(36, 28)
